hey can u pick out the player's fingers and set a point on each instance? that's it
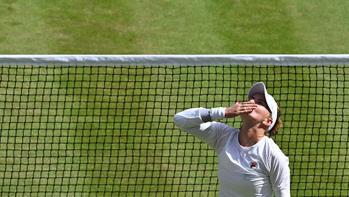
(248, 105)
(250, 102)
(245, 109)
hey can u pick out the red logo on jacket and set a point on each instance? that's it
(253, 164)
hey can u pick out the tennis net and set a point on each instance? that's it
(97, 126)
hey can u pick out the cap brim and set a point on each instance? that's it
(257, 88)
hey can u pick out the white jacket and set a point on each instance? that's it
(260, 170)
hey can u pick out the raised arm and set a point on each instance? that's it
(200, 122)
(190, 119)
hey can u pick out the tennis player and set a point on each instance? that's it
(250, 163)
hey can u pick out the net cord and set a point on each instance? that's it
(198, 60)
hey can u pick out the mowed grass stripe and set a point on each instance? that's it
(320, 26)
(144, 27)
(23, 28)
(63, 27)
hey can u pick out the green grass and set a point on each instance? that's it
(65, 131)
(173, 27)
(108, 131)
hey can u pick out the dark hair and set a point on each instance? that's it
(278, 125)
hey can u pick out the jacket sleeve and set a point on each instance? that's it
(280, 174)
(200, 123)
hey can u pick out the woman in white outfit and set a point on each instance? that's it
(250, 163)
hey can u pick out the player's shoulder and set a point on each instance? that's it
(223, 133)
(223, 127)
(273, 150)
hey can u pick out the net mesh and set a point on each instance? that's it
(108, 130)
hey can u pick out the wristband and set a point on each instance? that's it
(207, 115)
(217, 113)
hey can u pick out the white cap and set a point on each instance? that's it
(259, 88)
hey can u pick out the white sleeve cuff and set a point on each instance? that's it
(217, 113)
